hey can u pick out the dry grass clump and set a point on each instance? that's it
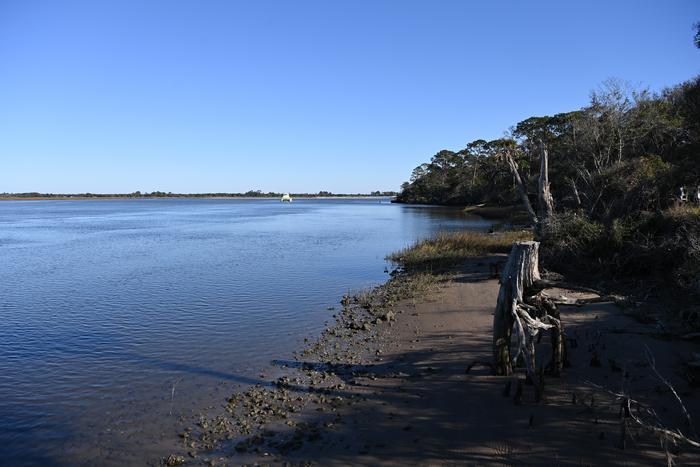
(684, 213)
(448, 249)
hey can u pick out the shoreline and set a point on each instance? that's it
(404, 376)
(110, 198)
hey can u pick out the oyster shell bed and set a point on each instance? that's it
(273, 419)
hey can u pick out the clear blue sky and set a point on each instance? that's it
(198, 96)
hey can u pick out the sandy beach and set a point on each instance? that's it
(411, 384)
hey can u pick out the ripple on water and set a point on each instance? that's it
(107, 304)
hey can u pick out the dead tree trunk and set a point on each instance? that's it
(545, 205)
(522, 190)
(526, 316)
(546, 202)
(574, 190)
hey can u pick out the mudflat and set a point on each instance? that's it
(414, 386)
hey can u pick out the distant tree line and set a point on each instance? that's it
(162, 194)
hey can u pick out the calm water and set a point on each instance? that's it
(107, 305)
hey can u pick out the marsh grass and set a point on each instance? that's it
(447, 250)
(427, 265)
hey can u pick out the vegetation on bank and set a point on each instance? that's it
(664, 245)
(447, 250)
(629, 149)
(616, 168)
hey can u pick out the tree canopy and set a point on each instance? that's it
(628, 149)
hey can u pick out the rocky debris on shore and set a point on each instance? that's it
(174, 459)
(272, 418)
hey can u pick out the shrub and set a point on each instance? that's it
(571, 236)
(664, 245)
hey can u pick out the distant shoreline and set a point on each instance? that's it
(118, 197)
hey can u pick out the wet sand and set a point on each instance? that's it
(415, 387)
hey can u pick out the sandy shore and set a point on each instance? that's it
(414, 386)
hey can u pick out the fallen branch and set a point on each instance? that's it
(652, 364)
(676, 435)
(564, 300)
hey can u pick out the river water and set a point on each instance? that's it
(117, 317)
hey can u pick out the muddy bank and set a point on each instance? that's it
(402, 381)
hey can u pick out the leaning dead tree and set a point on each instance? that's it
(522, 191)
(544, 194)
(522, 312)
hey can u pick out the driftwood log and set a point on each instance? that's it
(522, 312)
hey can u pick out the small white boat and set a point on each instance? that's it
(286, 198)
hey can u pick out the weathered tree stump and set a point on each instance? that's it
(524, 310)
(521, 271)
